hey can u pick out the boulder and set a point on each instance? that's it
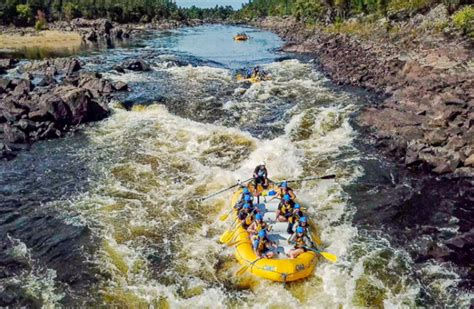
(6, 64)
(121, 86)
(436, 137)
(72, 66)
(469, 161)
(137, 65)
(23, 86)
(13, 134)
(5, 85)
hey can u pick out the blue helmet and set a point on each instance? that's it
(303, 219)
(247, 198)
(284, 184)
(258, 217)
(287, 197)
(262, 234)
(297, 206)
(247, 206)
(300, 230)
(246, 191)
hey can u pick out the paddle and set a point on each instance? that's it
(326, 177)
(226, 215)
(328, 256)
(244, 268)
(228, 234)
(223, 190)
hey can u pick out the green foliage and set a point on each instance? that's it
(463, 19)
(410, 6)
(24, 13)
(70, 10)
(309, 11)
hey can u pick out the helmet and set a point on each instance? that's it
(284, 184)
(258, 217)
(262, 234)
(247, 206)
(303, 219)
(300, 230)
(287, 197)
(297, 206)
(262, 163)
(246, 191)
(247, 198)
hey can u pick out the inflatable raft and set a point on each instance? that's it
(241, 37)
(280, 268)
(239, 77)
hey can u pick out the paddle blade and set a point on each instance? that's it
(271, 193)
(224, 237)
(242, 270)
(224, 217)
(329, 256)
(332, 176)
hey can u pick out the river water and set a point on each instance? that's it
(108, 215)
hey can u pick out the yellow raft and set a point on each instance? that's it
(280, 268)
(241, 37)
(253, 80)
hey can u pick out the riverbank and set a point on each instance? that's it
(44, 99)
(424, 79)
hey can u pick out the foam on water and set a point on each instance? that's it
(159, 246)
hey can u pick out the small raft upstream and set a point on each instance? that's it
(280, 268)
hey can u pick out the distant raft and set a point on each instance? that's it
(254, 79)
(241, 37)
(280, 268)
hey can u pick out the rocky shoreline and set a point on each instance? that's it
(53, 96)
(426, 116)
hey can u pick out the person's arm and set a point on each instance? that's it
(255, 246)
(252, 228)
(292, 194)
(308, 243)
(291, 240)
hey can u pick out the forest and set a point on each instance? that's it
(313, 11)
(29, 12)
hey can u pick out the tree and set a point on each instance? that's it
(71, 10)
(24, 14)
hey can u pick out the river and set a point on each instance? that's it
(108, 215)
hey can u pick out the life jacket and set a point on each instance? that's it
(299, 241)
(261, 243)
(295, 217)
(286, 209)
(249, 219)
(260, 227)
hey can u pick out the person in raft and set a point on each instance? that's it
(246, 198)
(262, 246)
(257, 225)
(301, 242)
(246, 215)
(294, 217)
(303, 222)
(285, 209)
(260, 175)
(284, 189)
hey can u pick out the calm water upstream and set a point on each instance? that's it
(108, 215)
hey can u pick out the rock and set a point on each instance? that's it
(436, 137)
(26, 125)
(72, 66)
(119, 69)
(6, 64)
(24, 86)
(137, 65)
(52, 106)
(455, 102)
(469, 161)
(121, 86)
(91, 36)
(82, 108)
(5, 85)
(46, 81)
(13, 135)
